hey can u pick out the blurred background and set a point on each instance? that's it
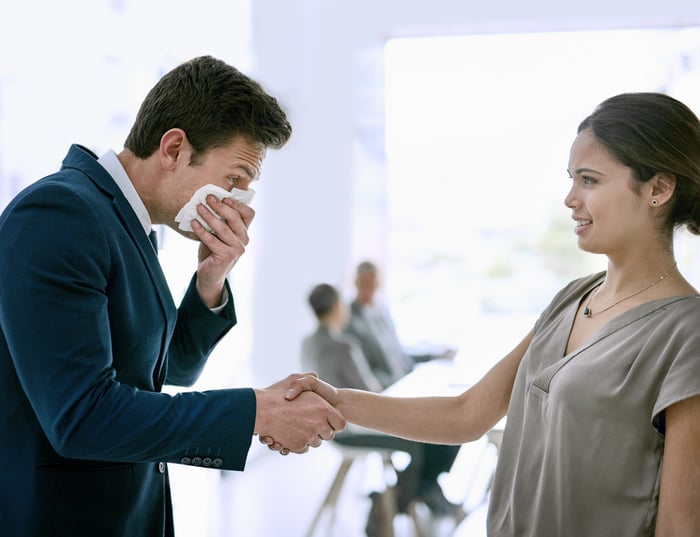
(431, 138)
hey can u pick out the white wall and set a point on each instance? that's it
(312, 54)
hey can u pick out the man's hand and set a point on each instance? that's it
(220, 250)
(294, 425)
(448, 354)
(296, 385)
(284, 384)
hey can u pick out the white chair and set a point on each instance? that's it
(494, 438)
(349, 455)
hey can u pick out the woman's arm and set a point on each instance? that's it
(446, 420)
(679, 495)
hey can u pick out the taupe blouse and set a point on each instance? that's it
(583, 444)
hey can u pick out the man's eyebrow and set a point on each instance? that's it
(253, 174)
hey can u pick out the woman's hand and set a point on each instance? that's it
(314, 384)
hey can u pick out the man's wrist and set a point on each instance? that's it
(223, 302)
(213, 299)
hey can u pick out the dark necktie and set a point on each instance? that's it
(154, 239)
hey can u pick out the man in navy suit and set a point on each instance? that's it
(89, 332)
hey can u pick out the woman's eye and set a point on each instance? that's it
(587, 180)
(234, 179)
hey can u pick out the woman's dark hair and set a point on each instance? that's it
(653, 133)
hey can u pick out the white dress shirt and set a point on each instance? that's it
(110, 162)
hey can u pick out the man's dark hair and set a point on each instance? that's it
(366, 266)
(322, 299)
(213, 103)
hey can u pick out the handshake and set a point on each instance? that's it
(297, 413)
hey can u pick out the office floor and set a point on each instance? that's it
(280, 495)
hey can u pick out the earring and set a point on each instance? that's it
(654, 202)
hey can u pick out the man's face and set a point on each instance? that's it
(234, 165)
(366, 284)
(341, 313)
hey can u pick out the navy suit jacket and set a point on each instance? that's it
(89, 333)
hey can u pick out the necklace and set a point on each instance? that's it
(588, 312)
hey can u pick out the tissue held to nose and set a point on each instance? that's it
(189, 211)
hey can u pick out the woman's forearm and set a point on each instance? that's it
(446, 419)
(427, 419)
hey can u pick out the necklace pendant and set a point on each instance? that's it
(587, 312)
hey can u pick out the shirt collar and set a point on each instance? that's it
(110, 162)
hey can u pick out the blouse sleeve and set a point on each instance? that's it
(679, 351)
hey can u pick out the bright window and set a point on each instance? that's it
(478, 131)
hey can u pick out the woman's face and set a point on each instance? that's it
(610, 217)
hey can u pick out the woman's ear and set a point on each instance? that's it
(661, 188)
(172, 146)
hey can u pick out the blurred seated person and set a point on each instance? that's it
(337, 358)
(371, 324)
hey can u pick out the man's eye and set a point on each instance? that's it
(234, 179)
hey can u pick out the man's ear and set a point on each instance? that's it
(173, 148)
(662, 186)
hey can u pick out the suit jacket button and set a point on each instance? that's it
(185, 460)
(161, 467)
(218, 462)
(196, 461)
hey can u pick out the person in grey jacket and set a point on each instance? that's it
(337, 358)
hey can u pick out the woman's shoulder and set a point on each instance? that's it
(685, 309)
(571, 292)
(584, 282)
(578, 287)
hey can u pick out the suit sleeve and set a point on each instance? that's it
(197, 332)
(55, 285)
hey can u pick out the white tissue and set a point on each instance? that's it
(189, 211)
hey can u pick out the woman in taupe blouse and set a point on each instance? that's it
(603, 395)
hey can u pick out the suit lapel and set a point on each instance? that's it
(85, 161)
(146, 251)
